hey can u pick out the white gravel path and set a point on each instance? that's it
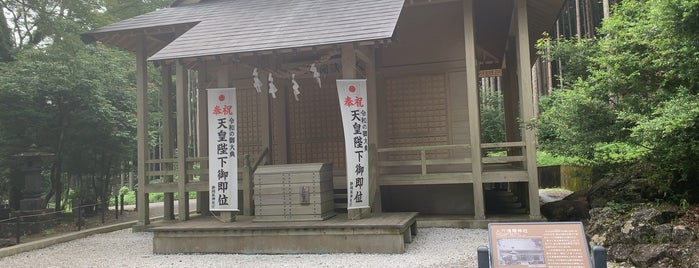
(433, 247)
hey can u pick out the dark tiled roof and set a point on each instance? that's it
(234, 26)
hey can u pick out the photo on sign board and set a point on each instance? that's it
(521, 251)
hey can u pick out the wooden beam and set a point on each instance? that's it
(142, 129)
(415, 3)
(364, 56)
(527, 105)
(473, 108)
(182, 104)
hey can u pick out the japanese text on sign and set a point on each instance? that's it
(352, 96)
(223, 149)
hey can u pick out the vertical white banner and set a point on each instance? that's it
(353, 108)
(223, 149)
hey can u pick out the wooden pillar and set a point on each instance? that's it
(203, 135)
(368, 56)
(536, 85)
(349, 64)
(223, 81)
(266, 125)
(527, 105)
(168, 143)
(182, 103)
(142, 129)
(277, 124)
(510, 95)
(474, 119)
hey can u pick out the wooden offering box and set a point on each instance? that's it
(295, 192)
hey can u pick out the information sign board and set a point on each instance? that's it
(546, 244)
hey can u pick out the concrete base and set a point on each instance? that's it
(377, 233)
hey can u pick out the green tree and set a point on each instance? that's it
(6, 44)
(635, 102)
(72, 99)
(492, 117)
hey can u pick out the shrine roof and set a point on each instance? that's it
(235, 26)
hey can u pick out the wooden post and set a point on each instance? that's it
(79, 222)
(182, 103)
(167, 137)
(203, 136)
(116, 206)
(368, 56)
(18, 228)
(142, 129)
(278, 124)
(266, 125)
(247, 186)
(222, 81)
(474, 119)
(527, 103)
(375, 190)
(349, 63)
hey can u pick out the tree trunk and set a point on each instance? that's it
(578, 25)
(605, 7)
(590, 19)
(560, 64)
(57, 168)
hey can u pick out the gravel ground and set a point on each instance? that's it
(433, 247)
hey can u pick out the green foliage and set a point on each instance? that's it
(71, 99)
(636, 101)
(492, 117)
(544, 158)
(561, 49)
(124, 190)
(572, 122)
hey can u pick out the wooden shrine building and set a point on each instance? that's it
(422, 59)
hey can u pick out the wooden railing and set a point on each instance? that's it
(451, 165)
(508, 147)
(162, 176)
(423, 151)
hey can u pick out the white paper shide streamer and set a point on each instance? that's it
(316, 74)
(256, 81)
(295, 86)
(272, 88)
